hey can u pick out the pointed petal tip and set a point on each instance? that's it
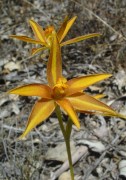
(74, 17)
(114, 114)
(109, 75)
(121, 116)
(10, 92)
(99, 96)
(78, 125)
(104, 75)
(97, 34)
(31, 21)
(14, 36)
(21, 137)
(11, 36)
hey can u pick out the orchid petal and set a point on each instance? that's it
(68, 108)
(105, 114)
(54, 65)
(62, 28)
(65, 27)
(37, 50)
(33, 90)
(88, 103)
(80, 83)
(80, 38)
(27, 39)
(99, 96)
(38, 31)
(112, 115)
(41, 111)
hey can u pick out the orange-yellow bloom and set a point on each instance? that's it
(44, 37)
(68, 95)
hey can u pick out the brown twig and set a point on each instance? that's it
(82, 151)
(100, 19)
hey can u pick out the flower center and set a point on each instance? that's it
(49, 34)
(59, 88)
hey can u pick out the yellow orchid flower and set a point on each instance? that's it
(44, 37)
(68, 95)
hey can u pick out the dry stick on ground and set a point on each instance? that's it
(82, 151)
(8, 29)
(97, 162)
(41, 11)
(100, 19)
(18, 130)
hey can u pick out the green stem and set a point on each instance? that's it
(69, 158)
(69, 128)
(66, 135)
(59, 116)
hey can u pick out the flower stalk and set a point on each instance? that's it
(66, 134)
